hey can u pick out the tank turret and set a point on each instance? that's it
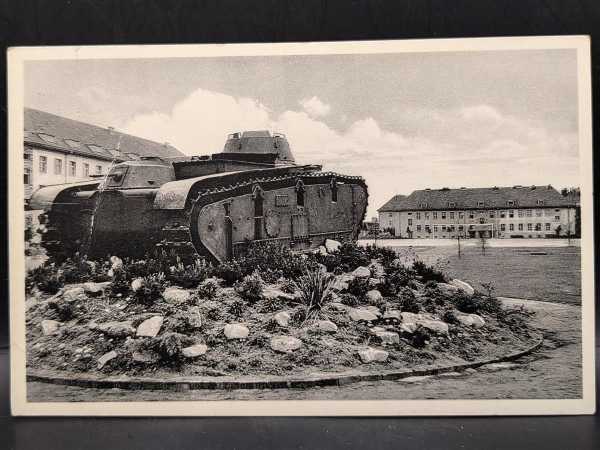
(259, 142)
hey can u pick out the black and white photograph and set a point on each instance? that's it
(373, 228)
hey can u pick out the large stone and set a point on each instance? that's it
(50, 327)
(387, 337)
(408, 327)
(282, 318)
(322, 250)
(74, 294)
(176, 295)
(116, 263)
(466, 287)
(447, 289)
(195, 317)
(361, 272)
(332, 245)
(392, 315)
(106, 358)
(338, 306)
(236, 331)
(285, 344)
(361, 314)
(142, 356)
(95, 289)
(437, 326)
(194, 351)
(137, 284)
(374, 296)
(150, 327)
(373, 309)
(470, 320)
(410, 317)
(271, 292)
(327, 326)
(341, 282)
(370, 354)
(116, 329)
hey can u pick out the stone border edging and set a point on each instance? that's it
(184, 384)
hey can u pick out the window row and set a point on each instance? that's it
(503, 214)
(58, 167)
(511, 227)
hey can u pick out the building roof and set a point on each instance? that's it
(471, 198)
(67, 135)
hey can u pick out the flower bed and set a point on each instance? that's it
(271, 312)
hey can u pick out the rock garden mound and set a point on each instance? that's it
(271, 312)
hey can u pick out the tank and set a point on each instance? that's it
(213, 205)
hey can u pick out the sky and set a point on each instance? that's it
(403, 121)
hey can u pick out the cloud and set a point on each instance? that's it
(471, 146)
(315, 107)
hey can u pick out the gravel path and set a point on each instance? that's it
(553, 372)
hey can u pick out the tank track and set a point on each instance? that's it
(176, 235)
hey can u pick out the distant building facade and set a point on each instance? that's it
(496, 212)
(60, 150)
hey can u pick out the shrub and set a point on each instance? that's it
(46, 278)
(119, 284)
(152, 289)
(64, 310)
(448, 316)
(189, 276)
(393, 281)
(230, 271)
(476, 304)
(207, 289)
(273, 260)
(251, 287)
(420, 338)
(408, 301)
(428, 273)
(349, 299)
(170, 345)
(236, 308)
(315, 291)
(77, 269)
(384, 254)
(349, 256)
(358, 287)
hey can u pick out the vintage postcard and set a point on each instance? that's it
(327, 228)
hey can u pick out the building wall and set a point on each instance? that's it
(497, 223)
(50, 176)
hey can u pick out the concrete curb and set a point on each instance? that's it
(225, 383)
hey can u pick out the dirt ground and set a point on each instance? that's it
(553, 372)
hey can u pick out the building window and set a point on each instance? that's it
(418, 216)
(547, 227)
(57, 166)
(435, 214)
(538, 227)
(409, 222)
(481, 220)
(510, 203)
(451, 204)
(480, 204)
(538, 212)
(511, 227)
(502, 227)
(492, 215)
(520, 213)
(98, 170)
(86, 170)
(520, 227)
(557, 218)
(426, 216)
(435, 228)
(27, 156)
(418, 227)
(72, 168)
(502, 214)
(422, 205)
(43, 164)
(443, 227)
(461, 215)
(443, 214)
(471, 215)
(528, 213)
(529, 227)
(452, 214)
(27, 176)
(460, 228)
(540, 202)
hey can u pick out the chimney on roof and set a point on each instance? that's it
(111, 130)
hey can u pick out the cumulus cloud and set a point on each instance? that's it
(315, 107)
(472, 146)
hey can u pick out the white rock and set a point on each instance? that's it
(106, 358)
(370, 354)
(195, 317)
(341, 282)
(236, 331)
(499, 366)
(150, 327)
(137, 284)
(194, 351)
(437, 326)
(415, 379)
(95, 288)
(116, 263)
(271, 292)
(282, 318)
(332, 245)
(361, 314)
(74, 294)
(116, 329)
(361, 272)
(447, 289)
(176, 295)
(373, 309)
(285, 344)
(327, 326)
(374, 295)
(388, 337)
(322, 250)
(50, 327)
(408, 327)
(144, 356)
(338, 306)
(463, 286)
(470, 320)
(410, 317)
